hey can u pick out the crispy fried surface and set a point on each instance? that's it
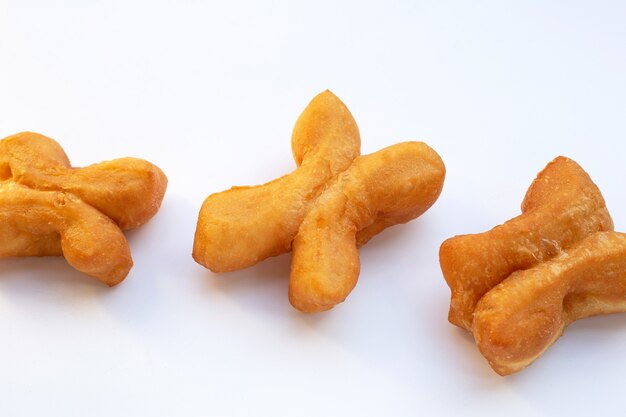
(521, 317)
(391, 186)
(244, 225)
(334, 202)
(49, 208)
(561, 207)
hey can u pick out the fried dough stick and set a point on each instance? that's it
(561, 207)
(49, 208)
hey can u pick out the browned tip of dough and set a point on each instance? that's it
(560, 173)
(30, 149)
(313, 300)
(117, 275)
(326, 129)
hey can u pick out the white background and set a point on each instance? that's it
(209, 91)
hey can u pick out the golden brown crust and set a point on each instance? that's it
(128, 190)
(49, 208)
(391, 186)
(333, 203)
(517, 320)
(242, 226)
(561, 207)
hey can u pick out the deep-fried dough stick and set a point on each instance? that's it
(520, 318)
(49, 208)
(561, 207)
(244, 225)
(391, 186)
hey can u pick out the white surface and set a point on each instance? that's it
(209, 92)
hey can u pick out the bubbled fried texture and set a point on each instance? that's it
(331, 204)
(242, 226)
(391, 186)
(561, 207)
(517, 320)
(49, 208)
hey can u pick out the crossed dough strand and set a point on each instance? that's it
(240, 227)
(561, 207)
(391, 186)
(47, 207)
(521, 317)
